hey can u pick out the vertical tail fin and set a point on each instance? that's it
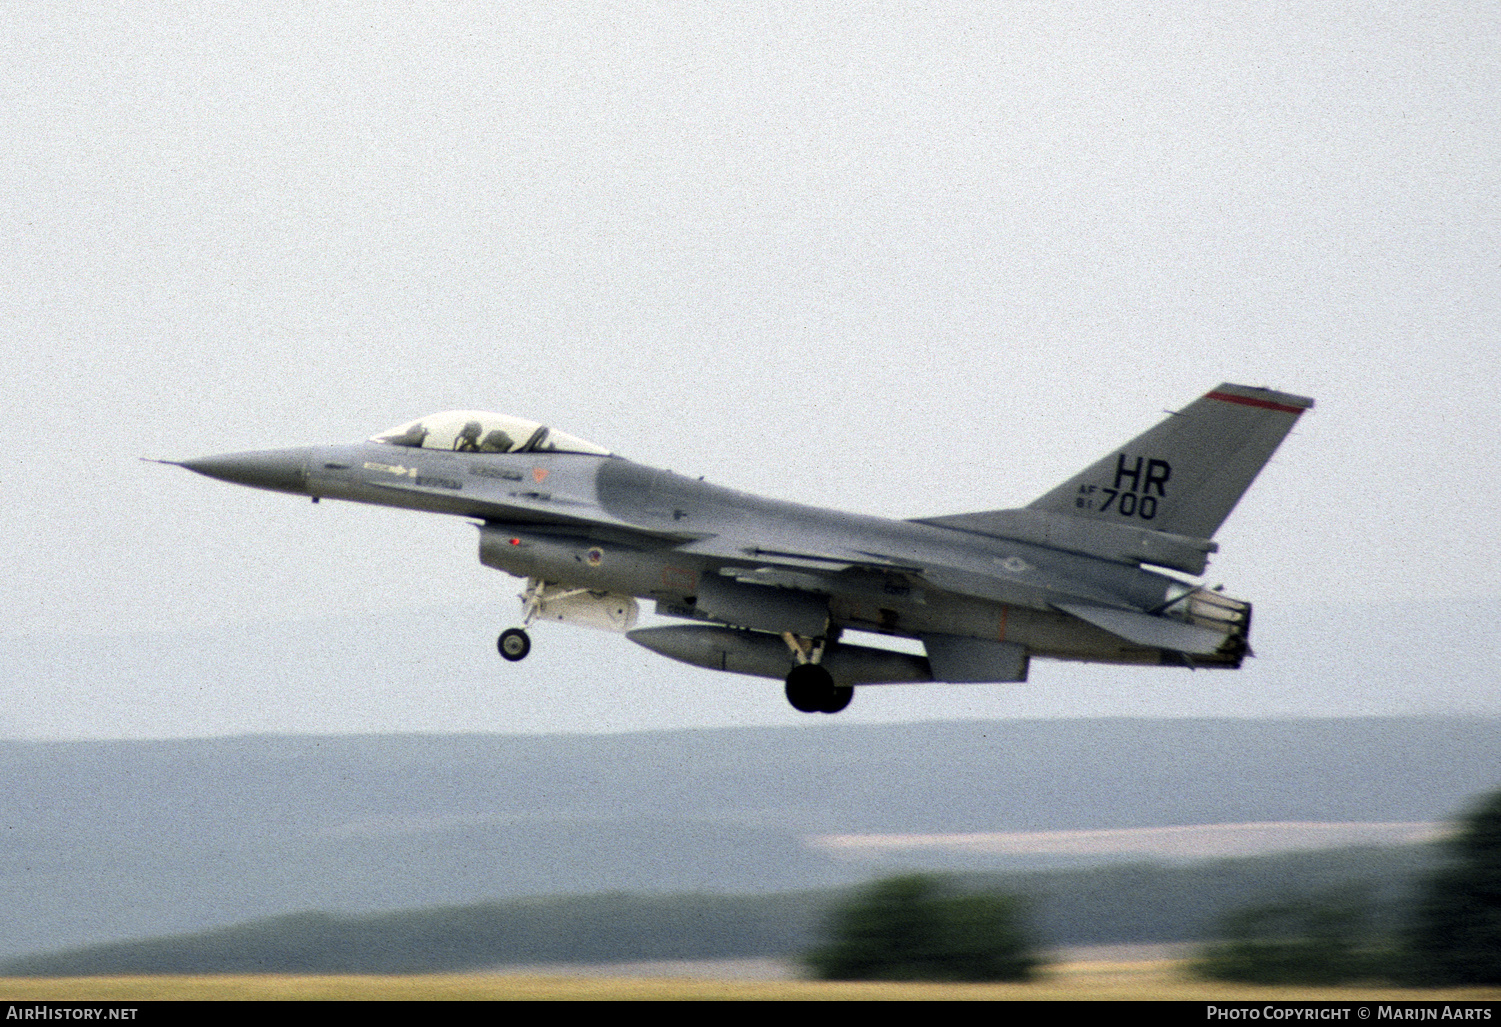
(1185, 475)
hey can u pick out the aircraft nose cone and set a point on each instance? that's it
(284, 470)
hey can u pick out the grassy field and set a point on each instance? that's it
(1161, 979)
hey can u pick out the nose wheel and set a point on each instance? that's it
(514, 644)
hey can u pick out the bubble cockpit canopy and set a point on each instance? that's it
(475, 431)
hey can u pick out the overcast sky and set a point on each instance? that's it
(906, 262)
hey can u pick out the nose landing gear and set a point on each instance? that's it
(553, 601)
(514, 644)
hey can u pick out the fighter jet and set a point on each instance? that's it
(765, 587)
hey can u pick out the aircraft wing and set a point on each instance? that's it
(1033, 587)
(532, 506)
(812, 571)
(718, 547)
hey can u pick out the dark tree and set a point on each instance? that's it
(1457, 934)
(920, 928)
(1317, 939)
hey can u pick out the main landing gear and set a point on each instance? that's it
(811, 688)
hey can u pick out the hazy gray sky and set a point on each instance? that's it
(907, 262)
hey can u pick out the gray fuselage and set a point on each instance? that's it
(609, 524)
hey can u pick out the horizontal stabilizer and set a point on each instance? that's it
(1148, 630)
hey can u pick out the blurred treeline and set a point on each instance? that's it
(1317, 938)
(1120, 903)
(110, 840)
(1449, 932)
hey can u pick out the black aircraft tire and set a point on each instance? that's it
(513, 644)
(810, 688)
(837, 699)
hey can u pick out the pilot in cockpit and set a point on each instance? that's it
(412, 437)
(496, 442)
(468, 440)
(477, 431)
